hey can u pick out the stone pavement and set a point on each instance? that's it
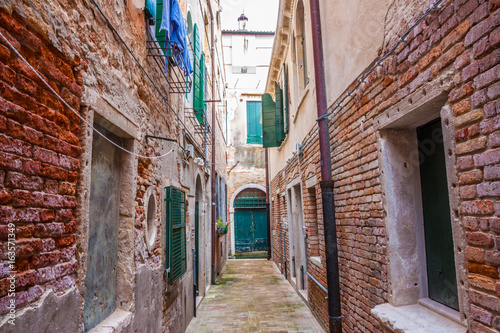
(252, 296)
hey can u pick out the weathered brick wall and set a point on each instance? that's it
(462, 38)
(39, 163)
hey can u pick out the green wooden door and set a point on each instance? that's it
(250, 231)
(441, 274)
(254, 124)
(260, 230)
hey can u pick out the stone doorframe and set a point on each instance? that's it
(231, 209)
(110, 117)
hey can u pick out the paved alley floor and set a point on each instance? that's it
(252, 296)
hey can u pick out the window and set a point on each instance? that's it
(440, 259)
(300, 46)
(176, 233)
(254, 126)
(417, 161)
(151, 226)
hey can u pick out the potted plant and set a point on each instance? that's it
(222, 227)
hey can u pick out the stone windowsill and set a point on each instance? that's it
(316, 261)
(415, 318)
(115, 323)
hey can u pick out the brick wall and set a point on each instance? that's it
(462, 38)
(39, 164)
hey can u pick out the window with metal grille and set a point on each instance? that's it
(176, 233)
(250, 198)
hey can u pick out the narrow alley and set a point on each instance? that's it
(171, 166)
(252, 296)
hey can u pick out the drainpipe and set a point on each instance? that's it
(332, 260)
(268, 210)
(212, 171)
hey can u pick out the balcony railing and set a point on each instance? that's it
(163, 51)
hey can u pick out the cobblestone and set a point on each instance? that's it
(252, 296)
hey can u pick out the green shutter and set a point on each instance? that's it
(176, 233)
(286, 101)
(151, 8)
(269, 122)
(254, 126)
(198, 81)
(160, 36)
(280, 128)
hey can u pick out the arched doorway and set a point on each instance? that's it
(250, 220)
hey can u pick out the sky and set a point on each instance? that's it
(262, 14)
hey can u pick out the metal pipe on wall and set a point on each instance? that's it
(212, 171)
(331, 251)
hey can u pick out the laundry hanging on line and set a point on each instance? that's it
(176, 33)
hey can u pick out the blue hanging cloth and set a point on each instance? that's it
(175, 26)
(165, 18)
(179, 36)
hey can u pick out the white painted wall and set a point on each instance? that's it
(251, 50)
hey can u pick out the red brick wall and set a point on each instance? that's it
(39, 164)
(462, 37)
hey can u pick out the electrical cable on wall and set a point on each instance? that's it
(115, 32)
(73, 110)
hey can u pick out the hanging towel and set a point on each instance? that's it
(176, 33)
(165, 18)
(179, 36)
(188, 66)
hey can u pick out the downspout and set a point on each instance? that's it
(268, 210)
(212, 171)
(331, 251)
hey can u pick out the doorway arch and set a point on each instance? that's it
(248, 213)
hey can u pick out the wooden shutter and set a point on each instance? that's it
(286, 100)
(198, 81)
(269, 122)
(160, 36)
(280, 128)
(176, 233)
